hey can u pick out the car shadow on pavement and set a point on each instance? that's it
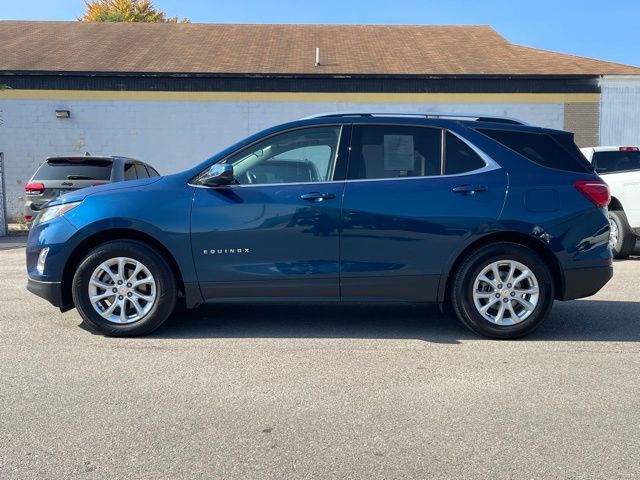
(592, 320)
(314, 320)
(581, 320)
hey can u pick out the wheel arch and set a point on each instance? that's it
(615, 204)
(519, 238)
(105, 236)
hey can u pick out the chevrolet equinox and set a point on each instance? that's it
(492, 216)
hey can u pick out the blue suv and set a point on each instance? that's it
(495, 217)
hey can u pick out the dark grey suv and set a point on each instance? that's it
(59, 175)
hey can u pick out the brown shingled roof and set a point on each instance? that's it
(280, 49)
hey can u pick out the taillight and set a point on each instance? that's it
(33, 187)
(594, 190)
(629, 149)
(98, 183)
(28, 218)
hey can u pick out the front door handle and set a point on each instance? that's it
(469, 189)
(317, 196)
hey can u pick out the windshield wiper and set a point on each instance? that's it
(79, 177)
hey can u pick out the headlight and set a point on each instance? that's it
(50, 213)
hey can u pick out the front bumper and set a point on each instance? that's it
(50, 291)
(584, 282)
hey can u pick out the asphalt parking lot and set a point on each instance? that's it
(321, 391)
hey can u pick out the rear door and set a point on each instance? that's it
(620, 168)
(60, 175)
(409, 204)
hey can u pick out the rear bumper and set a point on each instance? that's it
(584, 282)
(50, 291)
(31, 211)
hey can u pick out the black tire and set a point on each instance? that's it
(462, 291)
(165, 283)
(626, 242)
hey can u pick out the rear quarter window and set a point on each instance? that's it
(141, 171)
(130, 172)
(74, 169)
(459, 157)
(152, 172)
(552, 151)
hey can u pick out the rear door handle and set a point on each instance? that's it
(469, 189)
(317, 196)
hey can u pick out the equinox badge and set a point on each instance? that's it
(222, 251)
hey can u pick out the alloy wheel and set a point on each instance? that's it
(122, 290)
(506, 292)
(614, 233)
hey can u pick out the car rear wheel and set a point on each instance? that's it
(124, 288)
(621, 239)
(502, 291)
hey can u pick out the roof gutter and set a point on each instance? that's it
(471, 76)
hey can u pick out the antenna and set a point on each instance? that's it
(317, 57)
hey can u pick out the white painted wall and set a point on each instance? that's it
(620, 110)
(173, 135)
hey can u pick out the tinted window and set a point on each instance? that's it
(381, 151)
(297, 156)
(130, 171)
(459, 157)
(74, 169)
(557, 151)
(141, 171)
(617, 161)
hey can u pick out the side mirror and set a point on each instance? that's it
(218, 174)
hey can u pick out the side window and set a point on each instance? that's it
(390, 151)
(130, 171)
(318, 155)
(459, 157)
(141, 171)
(298, 156)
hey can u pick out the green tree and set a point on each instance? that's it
(125, 11)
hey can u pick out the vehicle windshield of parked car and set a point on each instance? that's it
(616, 161)
(74, 169)
(298, 156)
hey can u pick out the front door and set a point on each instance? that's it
(407, 208)
(275, 233)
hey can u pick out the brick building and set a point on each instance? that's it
(173, 94)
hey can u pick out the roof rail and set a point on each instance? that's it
(434, 115)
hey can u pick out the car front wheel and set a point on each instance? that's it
(124, 288)
(503, 291)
